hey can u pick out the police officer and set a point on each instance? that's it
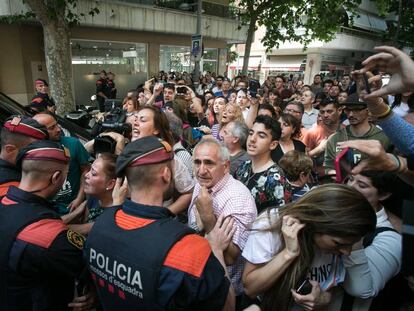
(111, 85)
(102, 90)
(140, 257)
(42, 93)
(39, 256)
(18, 132)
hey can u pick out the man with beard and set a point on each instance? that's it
(315, 139)
(316, 86)
(71, 195)
(334, 91)
(359, 128)
(219, 82)
(140, 257)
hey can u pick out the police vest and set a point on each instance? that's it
(9, 175)
(125, 264)
(14, 219)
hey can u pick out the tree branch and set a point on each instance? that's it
(38, 7)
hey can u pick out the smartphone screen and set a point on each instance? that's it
(366, 84)
(362, 84)
(344, 163)
(305, 288)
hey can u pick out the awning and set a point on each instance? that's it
(368, 22)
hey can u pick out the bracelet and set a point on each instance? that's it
(385, 114)
(397, 161)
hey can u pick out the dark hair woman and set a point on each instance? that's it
(130, 104)
(290, 130)
(305, 239)
(151, 121)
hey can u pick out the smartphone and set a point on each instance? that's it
(305, 288)
(254, 85)
(344, 163)
(366, 84)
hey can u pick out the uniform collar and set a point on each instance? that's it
(7, 164)
(21, 196)
(146, 211)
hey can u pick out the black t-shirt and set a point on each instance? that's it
(277, 154)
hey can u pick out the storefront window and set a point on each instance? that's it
(210, 60)
(175, 58)
(178, 58)
(128, 61)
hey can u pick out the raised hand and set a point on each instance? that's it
(290, 229)
(394, 62)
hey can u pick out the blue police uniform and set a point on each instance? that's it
(111, 88)
(9, 176)
(102, 86)
(141, 258)
(39, 256)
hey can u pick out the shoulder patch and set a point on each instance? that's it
(43, 232)
(75, 239)
(128, 222)
(6, 200)
(189, 255)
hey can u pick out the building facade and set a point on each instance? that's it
(133, 39)
(352, 44)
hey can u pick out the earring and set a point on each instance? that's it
(107, 188)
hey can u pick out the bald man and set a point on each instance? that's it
(71, 194)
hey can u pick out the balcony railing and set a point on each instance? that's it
(213, 9)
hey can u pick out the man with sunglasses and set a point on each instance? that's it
(359, 128)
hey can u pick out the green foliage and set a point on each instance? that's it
(303, 21)
(11, 19)
(54, 10)
(297, 20)
(405, 36)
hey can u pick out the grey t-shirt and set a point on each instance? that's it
(238, 159)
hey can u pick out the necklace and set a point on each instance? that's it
(251, 174)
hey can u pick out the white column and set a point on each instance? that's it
(313, 67)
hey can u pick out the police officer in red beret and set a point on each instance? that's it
(39, 256)
(139, 255)
(42, 100)
(111, 85)
(17, 132)
(103, 91)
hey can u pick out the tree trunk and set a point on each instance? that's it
(59, 65)
(57, 52)
(249, 41)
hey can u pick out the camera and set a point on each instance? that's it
(181, 90)
(113, 122)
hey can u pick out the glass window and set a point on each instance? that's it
(210, 60)
(128, 61)
(175, 58)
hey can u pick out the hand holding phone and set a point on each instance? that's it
(344, 163)
(305, 288)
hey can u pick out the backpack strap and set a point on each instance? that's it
(348, 300)
(369, 238)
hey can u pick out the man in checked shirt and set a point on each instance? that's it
(217, 193)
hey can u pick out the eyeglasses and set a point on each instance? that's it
(291, 111)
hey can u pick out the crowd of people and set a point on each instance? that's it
(221, 197)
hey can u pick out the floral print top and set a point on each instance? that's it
(268, 188)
